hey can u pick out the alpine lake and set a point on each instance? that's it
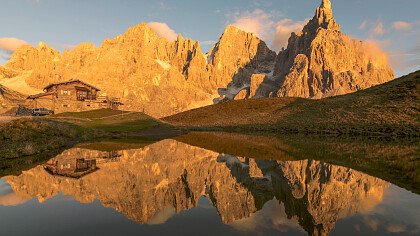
(219, 184)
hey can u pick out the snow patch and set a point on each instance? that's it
(19, 84)
(270, 74)
(231, 160)
(164, 64)
(163, 184)
(156, 80)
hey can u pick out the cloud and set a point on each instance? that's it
(284, 29)
(363, 25)
(271, 217)
(378, 29)
(269, 26)
(208, 42)
(258, 22)
(375, 28)
(12, 199)
(162, 216)
(401, 25)
(163, 30)
(68, 46)
(11, 44)
(406, 60)
(8, 46)
(373, 48)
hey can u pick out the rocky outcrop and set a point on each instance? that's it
(9, 99)
(321, 61)
(170, 176)
(235, 59)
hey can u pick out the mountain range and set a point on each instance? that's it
(161, 78)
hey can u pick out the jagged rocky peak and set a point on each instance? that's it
(321, 61)
(85, 47)
(235, 58)
(323, 18)
(141, 29)
(28, 57)
(324, 15)
(238, 37)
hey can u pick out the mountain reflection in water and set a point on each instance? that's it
(153, 184)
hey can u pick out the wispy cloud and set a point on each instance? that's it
(363, 25)
(208, 42)
(269, 26)
(8, 46)
(401, 25)
(378, 29)
(68, 46)
(11, 44)
(163, 30)
(406, 60)
(258, 21)
(284, 29)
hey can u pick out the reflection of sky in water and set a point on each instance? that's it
(385, 210)
(8, 197)
(271, 217)
(398, 213)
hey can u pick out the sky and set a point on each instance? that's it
(62, 24)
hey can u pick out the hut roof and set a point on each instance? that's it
(39, 95)
(71, 81)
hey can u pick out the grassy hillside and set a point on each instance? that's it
(388, 109)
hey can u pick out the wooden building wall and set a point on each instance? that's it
(68, 101)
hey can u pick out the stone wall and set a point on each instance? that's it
(65, 105)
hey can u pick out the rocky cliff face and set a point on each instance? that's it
(321, 61)
(9, 98)
(169, 176)
(237, 62)
(146, 71)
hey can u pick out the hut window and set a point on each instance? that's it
(65, 92)
(66, 105)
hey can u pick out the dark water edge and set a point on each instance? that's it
(394, 160)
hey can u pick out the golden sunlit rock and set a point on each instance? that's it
(321, 61)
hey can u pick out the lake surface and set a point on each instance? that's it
(173, 188)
